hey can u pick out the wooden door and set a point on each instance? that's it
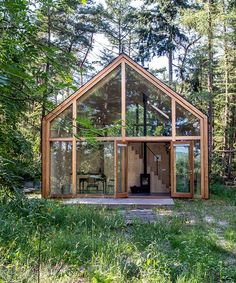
(182, 164)
(121, 169)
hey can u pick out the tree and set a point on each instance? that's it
(42, 47)
(159, 30)
(118, 26)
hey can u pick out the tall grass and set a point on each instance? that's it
(88, 244)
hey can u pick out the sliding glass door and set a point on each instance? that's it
(182, 169)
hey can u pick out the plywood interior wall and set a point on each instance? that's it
(159, 170)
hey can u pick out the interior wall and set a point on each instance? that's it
(159, 170)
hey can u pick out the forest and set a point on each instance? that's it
(49, 49)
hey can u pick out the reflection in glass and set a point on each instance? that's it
(186, 123)
(140, 93)
(61, 126)
(182, 168)
(197, 168)
(95, 168)
(61, 168)
(102, 104)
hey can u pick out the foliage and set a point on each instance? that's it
(44, 48)
(41, 47)
(87, 130)
(118, 25)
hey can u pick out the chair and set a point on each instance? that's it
(91, 183)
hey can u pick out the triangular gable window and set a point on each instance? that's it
(148, 109)
(101, 105)
(186, 123)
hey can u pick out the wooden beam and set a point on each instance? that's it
(74, 175)
(162, 138)
(61, 139)
(47, 160)
(202, 158)
(150, 138)
(206, 168)
(173, 116)
(172, 161)
(123, 99)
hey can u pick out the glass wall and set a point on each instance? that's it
(186, 123)
(146, 107)
(61, 167)
(101, 106)
(95, 168)
(197, 168)
(61, 126)
(182, 168)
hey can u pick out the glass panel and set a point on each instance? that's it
(197, 168)
(182, 168)
(141, 94)
(61, 126)
(102, 104)
(186, 123)
(121, 168)
(95, 168)
(61, 168)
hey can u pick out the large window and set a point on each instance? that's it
(102, 105)
(61, 168)
(61, 126)
(95, 168)
(186, 123)
(148, 109)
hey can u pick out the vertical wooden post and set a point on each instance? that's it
(206, 156)
(74, 148)
(202, 154)
(172, 160)
(47, 158)
(173, 118)
(123, 100)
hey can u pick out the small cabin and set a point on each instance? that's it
(147, 140)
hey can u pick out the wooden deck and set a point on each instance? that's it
(121, 201)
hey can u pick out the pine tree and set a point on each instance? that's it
(118, 26)
(159, 30)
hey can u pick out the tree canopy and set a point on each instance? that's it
(47, 51)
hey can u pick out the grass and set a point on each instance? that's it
(194, 241)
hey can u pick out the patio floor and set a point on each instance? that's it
(122, 201)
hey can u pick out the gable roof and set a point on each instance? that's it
(109, 68)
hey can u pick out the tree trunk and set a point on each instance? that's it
(84, 60)
(47, 68)
(170, 66)
(210, 81)
(226, 109)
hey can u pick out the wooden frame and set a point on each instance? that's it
(174, 192)
(123, 60)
